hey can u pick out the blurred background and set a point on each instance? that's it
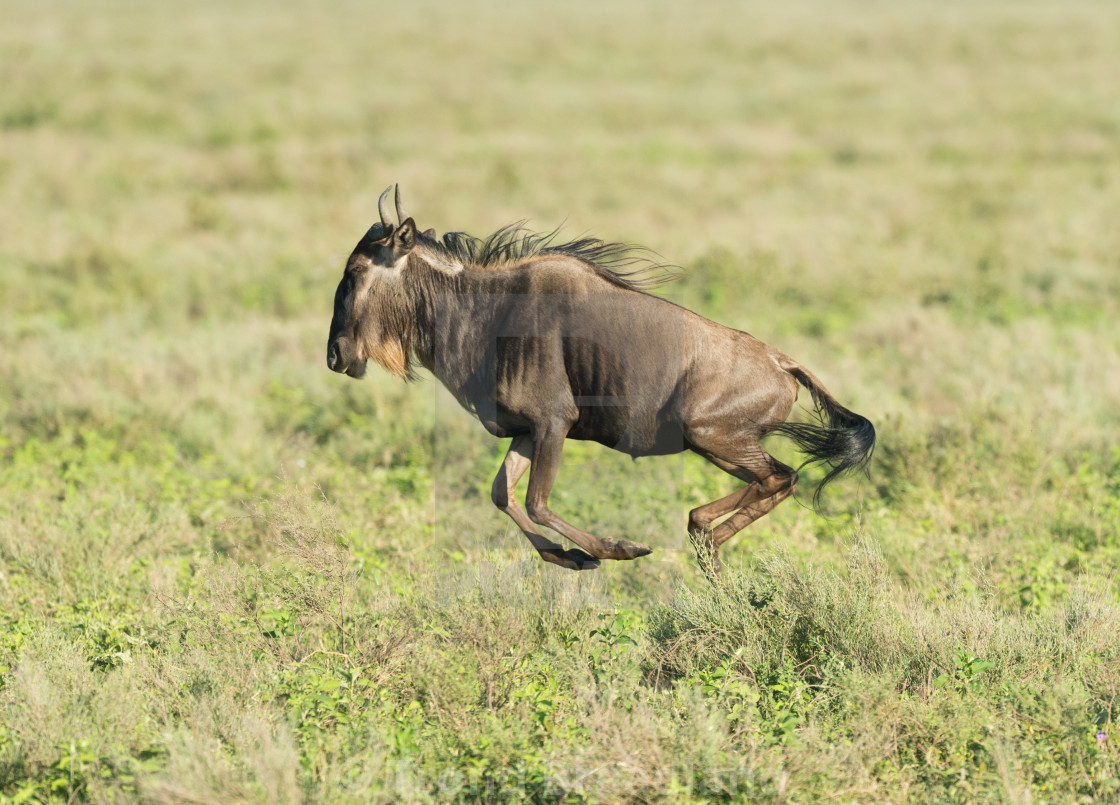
(919, 201)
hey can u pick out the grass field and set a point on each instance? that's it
(229, 575)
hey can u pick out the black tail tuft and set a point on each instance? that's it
(843, 440)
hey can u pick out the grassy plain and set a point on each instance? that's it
(229, 575)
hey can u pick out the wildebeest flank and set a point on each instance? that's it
(545, 342)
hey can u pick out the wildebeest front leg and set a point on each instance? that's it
(516, 462)
(547, 447)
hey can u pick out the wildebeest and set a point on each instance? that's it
(545, 342)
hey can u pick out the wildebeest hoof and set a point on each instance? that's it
(573, 559)
(625, 549)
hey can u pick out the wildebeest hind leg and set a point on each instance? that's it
(517, 460)
(770, 482)
(547, 447)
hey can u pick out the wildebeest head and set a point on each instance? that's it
(366, 315)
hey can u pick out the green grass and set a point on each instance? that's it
(227, 574)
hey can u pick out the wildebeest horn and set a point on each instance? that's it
(384, 211)
(402, 216)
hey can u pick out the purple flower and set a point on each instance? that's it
(1102, 736)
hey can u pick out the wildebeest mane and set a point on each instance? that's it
(632, 267)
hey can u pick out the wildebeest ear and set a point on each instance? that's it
(404, 237)
(430, 233)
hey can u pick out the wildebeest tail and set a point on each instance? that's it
(842, 440)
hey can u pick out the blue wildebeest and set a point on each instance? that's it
(547, 341)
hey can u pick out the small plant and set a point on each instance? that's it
(733, 690)
(785, 703)
(541, 695)
(964, 676)
(568, 636)
(614, 639)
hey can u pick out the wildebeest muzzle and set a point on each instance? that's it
(342, 356)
